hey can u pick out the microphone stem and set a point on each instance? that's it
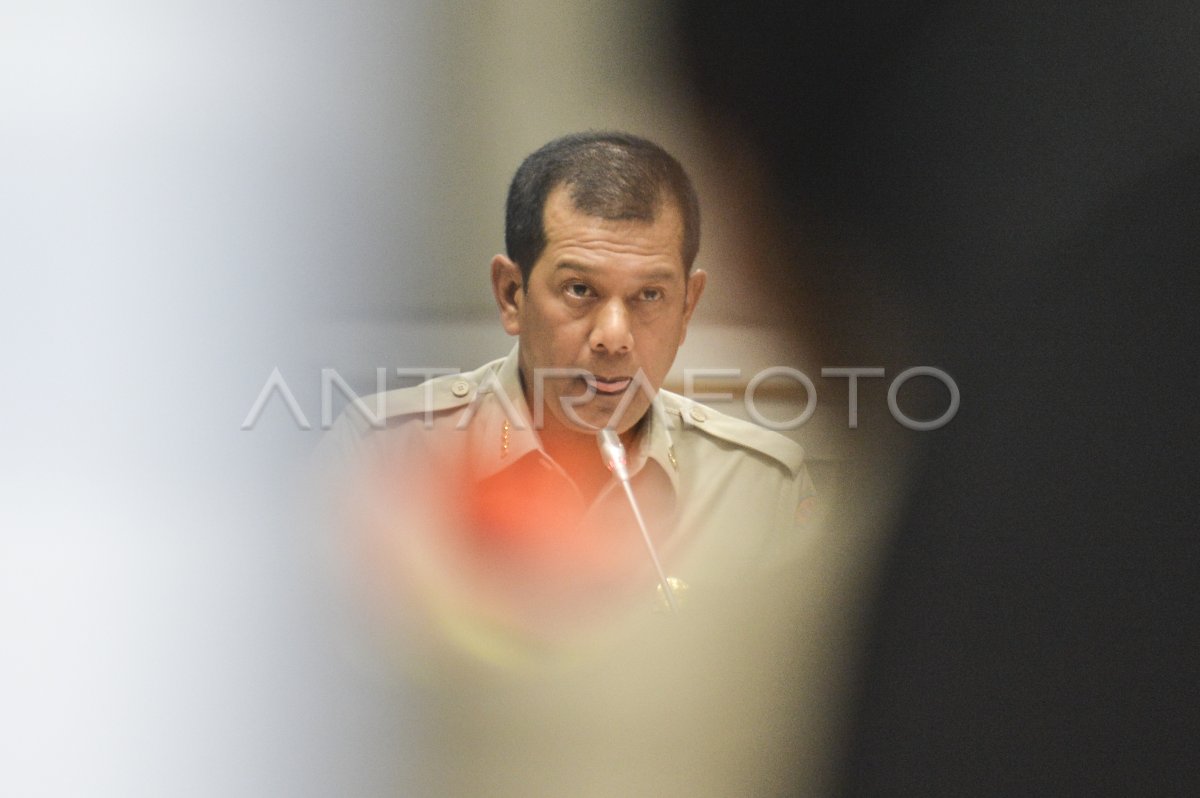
(662, 576)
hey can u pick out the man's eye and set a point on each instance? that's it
(652, 294)
(578, 290)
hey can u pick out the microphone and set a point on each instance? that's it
(613, 454)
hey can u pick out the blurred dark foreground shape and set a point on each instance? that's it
(1019, 184)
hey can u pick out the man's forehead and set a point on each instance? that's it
(561, 216)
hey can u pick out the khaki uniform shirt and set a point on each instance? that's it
(722, 497)
(464, 472)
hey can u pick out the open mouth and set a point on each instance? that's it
(612, 385)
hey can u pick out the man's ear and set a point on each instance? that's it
(695, 287)
(508, 289)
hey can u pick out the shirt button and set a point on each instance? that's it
(698, 414)
(460, 388)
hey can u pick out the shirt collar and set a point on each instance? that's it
(504, 444)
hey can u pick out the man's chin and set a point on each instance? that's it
(601, 412)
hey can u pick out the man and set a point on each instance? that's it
(598, 286)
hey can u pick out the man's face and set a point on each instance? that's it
(610, 297)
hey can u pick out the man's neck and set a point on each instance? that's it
(578, 454)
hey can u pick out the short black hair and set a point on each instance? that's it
(609, 174)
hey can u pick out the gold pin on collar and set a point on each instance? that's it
(504, 439)
(679, 589)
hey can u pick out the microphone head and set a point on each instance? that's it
(613, 453)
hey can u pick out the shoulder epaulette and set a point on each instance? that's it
(437, 395)
(736, 431)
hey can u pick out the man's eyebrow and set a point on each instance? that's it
(654, 274)
(575, 267)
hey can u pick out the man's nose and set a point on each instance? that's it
(611, 332)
